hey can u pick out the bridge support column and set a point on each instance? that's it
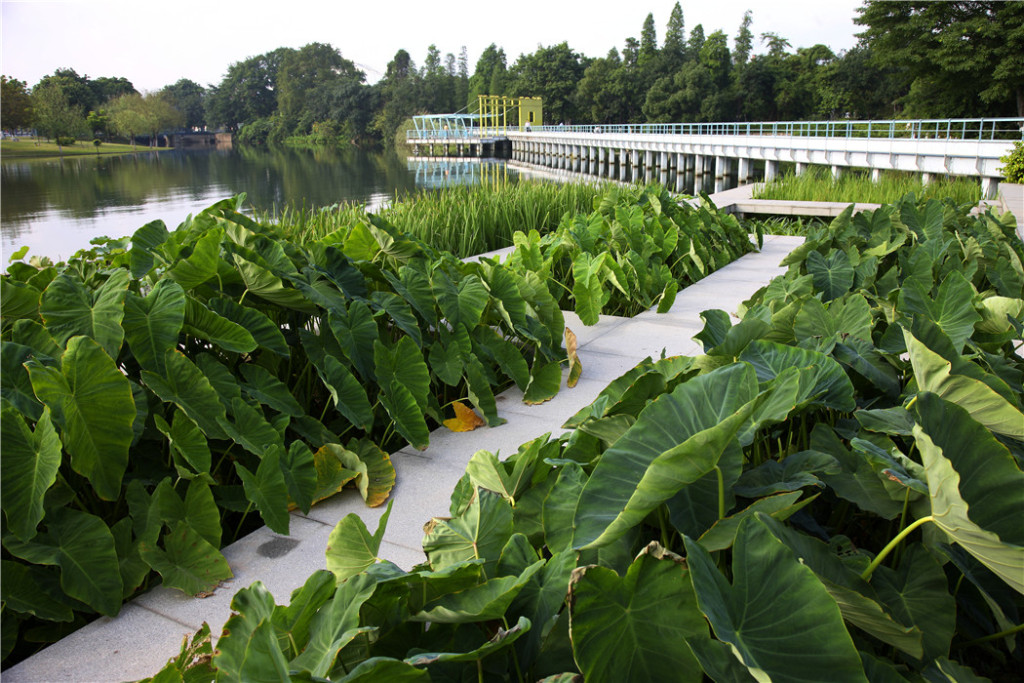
(680, 171)
(926, 178)
(876, 175)
(698, 173)
(746, 171)
(771, 170)
(988, 187)
(623, 163)
(634, 171)
(649, 162)
(837, 172)
(723, 173)
(801, 168)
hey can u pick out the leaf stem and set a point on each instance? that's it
(721, 492)
(892, 544)
(995, 636)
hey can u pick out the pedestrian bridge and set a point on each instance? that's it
(718, 156)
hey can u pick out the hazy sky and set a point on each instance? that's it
(155, 43)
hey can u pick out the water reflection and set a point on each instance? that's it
(56, 207)
(433, 172)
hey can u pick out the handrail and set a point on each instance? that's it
(949, 129)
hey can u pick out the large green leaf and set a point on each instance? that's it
(22, 590)
(187, 561)
(774, 640)
(269, 390)
(936, 374)
(480, 532)
(502, 640)
(671, 420)
(27, 470)
(250, 429)
(186, 441)
(266, 333)
(15, 383)
(91, 401)
(348, 393)
(200, 264)
(356, 332)
(974, 484)
(202, 323)
(917, 593)
(145, 241)
(541, 601)
(250, 607)
(187, 386)
(832, 274)
(268, 286)
(335, 625)
(587, 287)
(828, 384)
(267, 489)
(545, 380)
(634, 628)
(299, 468)
(486, 602)
(70, 308)
(83, 547)
(951, 308)
(351, 548)
(152, 324)
(384, 669)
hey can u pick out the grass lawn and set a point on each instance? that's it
(26, 148)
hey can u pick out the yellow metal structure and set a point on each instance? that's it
(497, 112)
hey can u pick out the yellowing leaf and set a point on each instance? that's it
(465, 420)
(575, 366)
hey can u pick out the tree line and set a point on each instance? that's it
(913, 60)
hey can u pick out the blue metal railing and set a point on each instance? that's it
(952, 129)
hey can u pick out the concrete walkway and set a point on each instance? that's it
(149, 629)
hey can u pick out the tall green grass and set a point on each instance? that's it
(817, 185)
(464, 220)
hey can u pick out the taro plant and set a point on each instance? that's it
(163, 393)
(633, 252)
(832, 490)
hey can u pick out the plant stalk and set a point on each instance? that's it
(892, 544)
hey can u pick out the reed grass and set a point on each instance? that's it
(463, 220)
(818, 185)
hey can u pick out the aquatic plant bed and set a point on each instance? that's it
(817, 184)
(164, 393)
(425, 480)
(832, 485)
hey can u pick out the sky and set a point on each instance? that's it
(154, 43)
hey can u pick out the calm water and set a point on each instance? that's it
(55, 207)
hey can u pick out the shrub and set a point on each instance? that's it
(1013, 171)
(64, 141)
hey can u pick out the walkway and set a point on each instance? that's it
(150, 629)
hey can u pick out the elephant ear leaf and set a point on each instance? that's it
(28, 469)
(91, 401)
(152, 324)
(769, 637)
(974, 485)
(632, 628)
(69, 308)
(832, 275)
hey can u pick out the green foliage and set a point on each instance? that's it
(631, 253)
(1013, 170)
(770, 488)
(817, 185)
(167, 391)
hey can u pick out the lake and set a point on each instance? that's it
(56, 207)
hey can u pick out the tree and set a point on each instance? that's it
(76, 89)
(127, 116)
(777, 45)
(489, 73)
(301, 74)
(98, 122)
(674, 49)
(744, 41)
(551, 73)
(15, 104)
(54, 115)
(648, 42)
(247, 92)
(597, 99)
(962, 58)
(462, 80)
(105, 88)
(696, 41)
(188, 97)
(399, 95)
